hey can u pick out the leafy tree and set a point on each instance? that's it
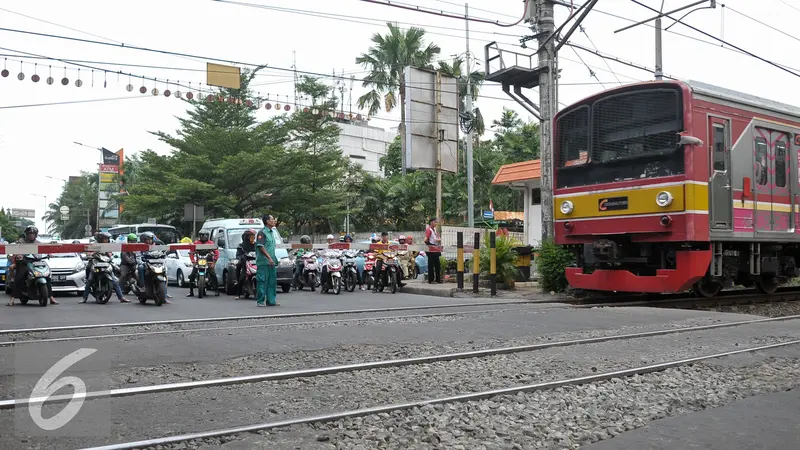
(9, 228)
(385, 61)
(80, 196)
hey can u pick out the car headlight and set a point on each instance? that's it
(664, 199)
(566, 207)
(80, 266)
(285, 262)
(187, 264)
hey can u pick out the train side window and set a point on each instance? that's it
(761, 161)
(719, 148)
(780, 164)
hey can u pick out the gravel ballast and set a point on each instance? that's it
(214, 408)
(562, 418)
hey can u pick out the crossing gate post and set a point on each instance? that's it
(492, 263)
(476, 262)
(460, 260)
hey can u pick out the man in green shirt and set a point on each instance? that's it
(267, 272)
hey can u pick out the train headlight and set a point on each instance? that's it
(664, 199)
(567, 207)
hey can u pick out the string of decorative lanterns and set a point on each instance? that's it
(268, 104)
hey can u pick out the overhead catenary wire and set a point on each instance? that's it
(442, 14)
(722, 41)
(760, 22)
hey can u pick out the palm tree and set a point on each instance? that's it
(475, 79)
(385, 61)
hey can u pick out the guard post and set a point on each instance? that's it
(476, 262)
(460, 260)
(492, 264)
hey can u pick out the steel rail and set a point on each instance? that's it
(727, 300)
(305, 373)
(456, 398)
(263, 325)
(263, 316)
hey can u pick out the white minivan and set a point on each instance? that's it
(227, 234)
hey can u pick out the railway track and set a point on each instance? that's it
(682, 301)
(474, 396)
(366, 370)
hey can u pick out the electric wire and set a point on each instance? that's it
(476, 9)
(761, 23)
(591, 72)
(583, 30)
(789, 5)
(721, 40)
(442, 14)
(72, 102)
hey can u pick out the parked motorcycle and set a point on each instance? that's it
(333, 264)
(155, 279)
(37, 279)
(101, 286)
(310, 275)
(249, 287)
(369, 270)
(389, 275)
(350, 271)
(204, 262)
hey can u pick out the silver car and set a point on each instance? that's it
(68, 272)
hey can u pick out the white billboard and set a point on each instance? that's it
(427, 122)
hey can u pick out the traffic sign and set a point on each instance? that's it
(23, 213)
(64, 210)
(87, 228)
(488, 214)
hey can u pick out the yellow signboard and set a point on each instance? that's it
(223, 76)
(108, 177)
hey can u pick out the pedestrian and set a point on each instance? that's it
(434, 266)
(267, 272)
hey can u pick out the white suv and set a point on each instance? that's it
(68, 272)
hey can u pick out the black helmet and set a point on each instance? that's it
(102, 237)
(147, 236)
(305, 239)
(203, 235)
(31, 229)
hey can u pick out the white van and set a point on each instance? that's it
(227, 234)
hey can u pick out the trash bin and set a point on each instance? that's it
(524, 263)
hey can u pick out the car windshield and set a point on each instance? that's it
(167, 235)
(183, 253)
(235, 238)
(63, 255)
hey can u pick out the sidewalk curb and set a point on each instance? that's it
(424, 290)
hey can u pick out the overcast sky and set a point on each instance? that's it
(326, 35)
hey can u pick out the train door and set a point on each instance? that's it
(720, 174)
(771, 205)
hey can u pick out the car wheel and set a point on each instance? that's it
(181, 281)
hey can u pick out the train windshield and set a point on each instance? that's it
(622, 136)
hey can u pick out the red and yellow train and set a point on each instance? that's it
(668, 186)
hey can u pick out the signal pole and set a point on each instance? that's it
(470, 196)
(547, 101)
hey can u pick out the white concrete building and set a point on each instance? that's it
(364, 144)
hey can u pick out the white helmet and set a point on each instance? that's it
(422, 254)
(402, 237)
(330, 236)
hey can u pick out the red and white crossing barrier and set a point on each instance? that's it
(42, 248)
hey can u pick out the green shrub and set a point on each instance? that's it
(551, 262)
(505, 254)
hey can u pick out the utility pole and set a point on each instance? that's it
(659, 69)
(547, 88)
(470, 195)
(440, 138)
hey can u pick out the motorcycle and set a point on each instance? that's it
(350, 276)
(406, 262)
(204, 263)
(37, 280)
(334, 268)
(249, 287)
(155, 279)
(102, 269)
(310, 275)
(369, 270)
(389, 275)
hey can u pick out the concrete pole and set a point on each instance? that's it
(439, 140)
(470, 191)
(547, 96)
(659, 67)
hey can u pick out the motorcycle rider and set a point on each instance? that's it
(147, 238)
(101, 238)
(379, 262)
(127, 267)
(247, 246)
(20, 266)
(330, 239)
(298, 262)
(203, 239)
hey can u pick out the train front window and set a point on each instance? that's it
(622, 136)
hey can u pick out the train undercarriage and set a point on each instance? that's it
(706, 268)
